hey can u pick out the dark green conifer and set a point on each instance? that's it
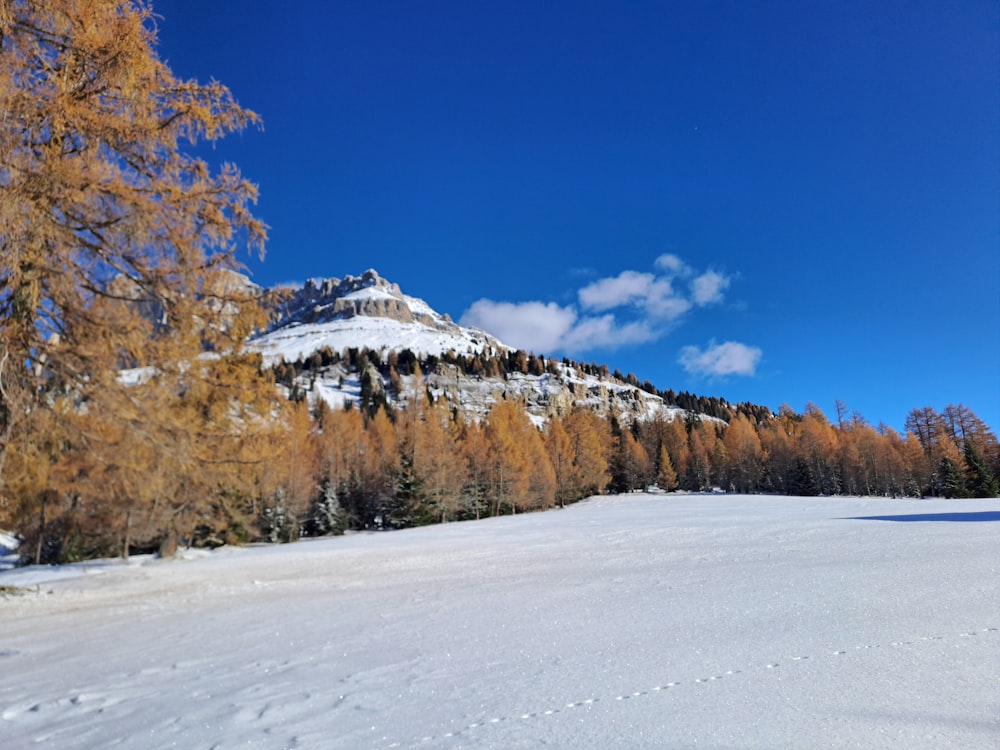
(979, 480)
(949, 480)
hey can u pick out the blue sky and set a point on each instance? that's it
(775, 202)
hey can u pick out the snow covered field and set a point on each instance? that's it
(641, 621)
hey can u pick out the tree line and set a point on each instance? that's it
(318, 471)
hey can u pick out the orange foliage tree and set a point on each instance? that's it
(114, 248)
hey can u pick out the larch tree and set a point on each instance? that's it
(436, 462)
(631, 468)
(675, 440)
(508, 470)
(818, 448)
(561, 455)
(744, 455)
(666, 476)
(963, 426)
(474, 449)
(116, 242)
(386, 506)
(520, 473)
(542, 478)
(343, 453)
(289, 487)
(591, 438)
(701, 443)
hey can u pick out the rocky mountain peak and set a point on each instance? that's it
(369, 295)
(327, 289)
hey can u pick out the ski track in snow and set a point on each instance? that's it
(672, 685)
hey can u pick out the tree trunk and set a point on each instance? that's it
(128, 529)
(168, 546)
(41, 529)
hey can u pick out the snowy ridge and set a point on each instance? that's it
(364, 311)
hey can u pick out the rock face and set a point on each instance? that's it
(324, 300)
(549, 395)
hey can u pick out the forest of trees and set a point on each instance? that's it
(320, 471)
(132, 417)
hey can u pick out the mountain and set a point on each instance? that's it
(316, 327)
(364, 312)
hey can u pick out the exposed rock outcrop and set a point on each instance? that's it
(323, 300)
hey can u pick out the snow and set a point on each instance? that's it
(640, 621)
(8, 550)
(296, 341)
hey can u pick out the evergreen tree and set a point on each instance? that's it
(949, 480)
(801, 480)
(275, 523)
(328, 515)
(979, 480)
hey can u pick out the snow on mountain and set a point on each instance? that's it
(370, 312)
(364, 311)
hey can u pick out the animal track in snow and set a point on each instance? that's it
(665, 687)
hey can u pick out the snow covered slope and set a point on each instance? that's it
(639, 621)
(365, 311)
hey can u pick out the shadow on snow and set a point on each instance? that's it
(970, 517)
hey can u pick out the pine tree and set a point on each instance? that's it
(979, 480)
(327, 515)
(949, 480)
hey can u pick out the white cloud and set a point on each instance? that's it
(708, 288)
(728, 358)
(663, 302)
(606, 332)
(631, 308)
(653, 294)
(672, 264)
(532, 326)
(623, 289)
(545, 328)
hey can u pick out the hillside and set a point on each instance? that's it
(318, 322)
